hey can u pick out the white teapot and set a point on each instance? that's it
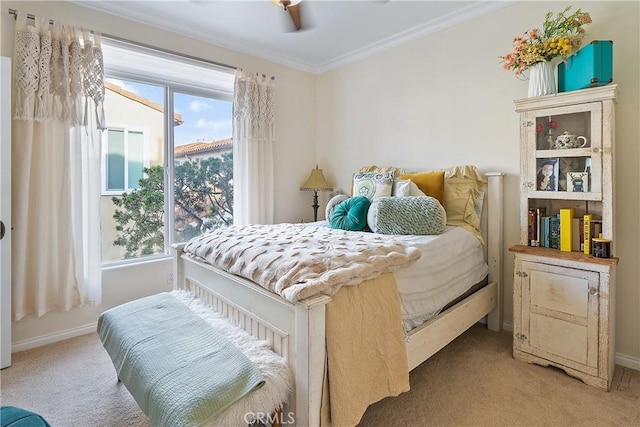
(567, 140)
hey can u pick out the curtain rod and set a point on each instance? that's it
(14, 12)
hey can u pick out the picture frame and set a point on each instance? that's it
(578, 182)
(547, 174)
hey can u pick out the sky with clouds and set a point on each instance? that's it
(204, 119)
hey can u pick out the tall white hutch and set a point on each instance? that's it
(564, 302)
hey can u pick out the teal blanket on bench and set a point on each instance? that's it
(179, 369)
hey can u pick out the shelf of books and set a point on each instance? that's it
(565, 229)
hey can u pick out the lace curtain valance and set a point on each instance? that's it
(57, 70)
(253, 105)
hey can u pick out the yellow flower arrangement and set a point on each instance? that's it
(560, 37)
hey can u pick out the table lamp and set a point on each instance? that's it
(315, 183)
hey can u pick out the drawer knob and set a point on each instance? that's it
(593, 292)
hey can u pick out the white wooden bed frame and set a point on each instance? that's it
(297, 331)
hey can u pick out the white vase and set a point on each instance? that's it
(542, 80)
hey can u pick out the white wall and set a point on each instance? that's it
(444, 99)
(294, 152)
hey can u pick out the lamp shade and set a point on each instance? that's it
(316, 182)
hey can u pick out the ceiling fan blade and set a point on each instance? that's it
(294, 12)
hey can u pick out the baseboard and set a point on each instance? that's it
(628, 361)
(621, 359)
(51, 338)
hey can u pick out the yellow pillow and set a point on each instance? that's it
(463, 183)
(460, 196)
(431, 184)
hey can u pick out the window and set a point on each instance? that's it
(203, 166)
(167, 152)
(124, 159)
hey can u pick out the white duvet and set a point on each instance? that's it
(451, 263)
(300, 260)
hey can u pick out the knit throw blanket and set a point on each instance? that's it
(297, 261)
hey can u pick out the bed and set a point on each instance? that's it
(298, 330)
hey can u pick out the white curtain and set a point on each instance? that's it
(253, 138)
(58, 86)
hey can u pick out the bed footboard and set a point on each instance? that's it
(294, 331)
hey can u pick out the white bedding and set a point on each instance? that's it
(451, 263)
(448, 264)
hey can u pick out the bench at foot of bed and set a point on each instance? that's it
(186, 365)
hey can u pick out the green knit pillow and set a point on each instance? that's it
(351, 215)
(406, 215)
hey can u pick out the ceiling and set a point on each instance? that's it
(334, 32)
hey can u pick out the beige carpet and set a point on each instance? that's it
(473, 381)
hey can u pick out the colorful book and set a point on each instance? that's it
(587, 218)
(546, 231)
(532, 228)
(566, 228)
(576, 234)
(540, 212)
(554, 231)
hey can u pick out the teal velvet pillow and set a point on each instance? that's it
(406, 215)
(351, 215)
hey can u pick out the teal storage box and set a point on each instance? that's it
(588, 67)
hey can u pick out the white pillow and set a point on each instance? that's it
(406, 188)
(401, 188)
(415, 191)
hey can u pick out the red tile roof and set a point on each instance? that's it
(203, 147)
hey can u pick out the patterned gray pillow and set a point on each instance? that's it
(372, 184)
(406, 215)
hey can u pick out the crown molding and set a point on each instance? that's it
(430, 27)
(441, 23)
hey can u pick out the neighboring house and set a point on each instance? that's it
(202, 149)
(134, 139)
